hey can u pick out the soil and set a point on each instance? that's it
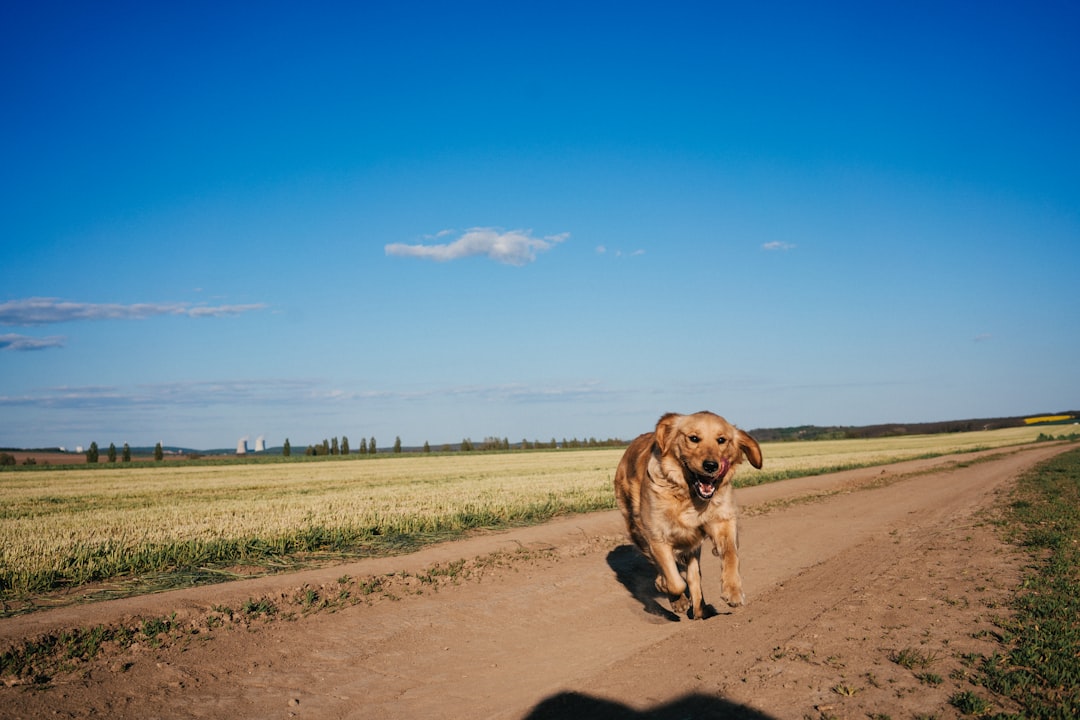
(844, 574)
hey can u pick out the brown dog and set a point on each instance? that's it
(673, 486)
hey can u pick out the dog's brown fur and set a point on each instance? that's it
(662, 486)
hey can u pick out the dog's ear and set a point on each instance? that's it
(750, 448)
(665, 432)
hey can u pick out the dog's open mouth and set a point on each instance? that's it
(705, 485)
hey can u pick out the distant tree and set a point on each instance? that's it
(286, 449)
(334, 450)
(371, 446)
(427, 448)
(344, 445)
(325, 447)
(310, 452)
(126, 453)
(466, 445)
(363, 446)
(112, 452)
(397, 445)
(159, 452)
(7, 459)
(92, 453)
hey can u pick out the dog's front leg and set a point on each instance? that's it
(693, 580)
(725, 539)
(669, 580)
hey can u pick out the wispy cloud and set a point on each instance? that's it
(513, 247)
(47, 311)
(602, 250)
(23, 343)
(198, 394)
(982, 337)
(278, 392)
(778, 245)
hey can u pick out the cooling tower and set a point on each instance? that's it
(241, 446)
(260, 444)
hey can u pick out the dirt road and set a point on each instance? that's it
(842, 572)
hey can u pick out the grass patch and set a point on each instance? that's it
(968, 703)
(1039, 666)
(913, 659)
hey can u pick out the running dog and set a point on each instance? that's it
(673, 486)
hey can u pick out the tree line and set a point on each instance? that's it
(93, 453)
(369, 446)
(331, 446)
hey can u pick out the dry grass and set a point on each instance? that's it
(783, 460)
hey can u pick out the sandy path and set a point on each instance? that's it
(885, 559)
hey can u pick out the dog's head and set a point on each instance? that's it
(706, 447)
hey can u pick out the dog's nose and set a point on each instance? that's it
(710, 466)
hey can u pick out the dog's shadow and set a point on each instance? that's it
(638, 576)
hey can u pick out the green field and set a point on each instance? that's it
(186, 524)
(1039, 663)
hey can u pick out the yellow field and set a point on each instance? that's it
(67, 527)
(1047, 419)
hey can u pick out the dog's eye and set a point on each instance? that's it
(694, 439)
(721, 440)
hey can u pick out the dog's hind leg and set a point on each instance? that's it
(669, 580)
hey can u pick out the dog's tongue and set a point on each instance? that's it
(706, 489)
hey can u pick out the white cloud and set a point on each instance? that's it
(513, 247)
(45, 311)
(778, 245)
(20, 343)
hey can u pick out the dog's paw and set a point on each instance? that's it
(734, 599)
(680, 604)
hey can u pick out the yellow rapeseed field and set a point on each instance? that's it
(1047, 419)
(71, 526)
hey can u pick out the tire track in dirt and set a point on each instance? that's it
(833, 584)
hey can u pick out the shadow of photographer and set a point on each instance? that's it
(577, 706)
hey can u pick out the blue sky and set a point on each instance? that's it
(449, 220)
